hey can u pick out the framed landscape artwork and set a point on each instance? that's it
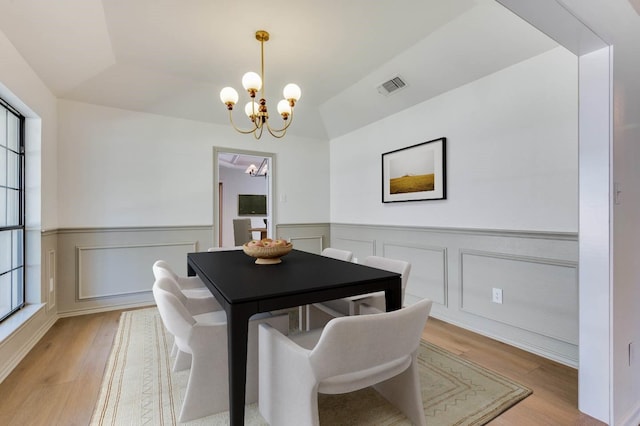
(415, 173)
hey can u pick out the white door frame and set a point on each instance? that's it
(271, 190)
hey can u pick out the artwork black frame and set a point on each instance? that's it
(415, 173)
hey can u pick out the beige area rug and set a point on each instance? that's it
(139, 388)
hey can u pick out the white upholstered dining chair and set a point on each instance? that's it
(204, 337)
(198, 307)
(339, 254)
(318, 319)
(162, 268)
(195, 296)
(319, 313)
(348, 354)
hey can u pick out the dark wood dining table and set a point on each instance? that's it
(244, 288)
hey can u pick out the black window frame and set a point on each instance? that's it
(21, 226)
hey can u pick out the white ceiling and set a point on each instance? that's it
(172, 57)
(238, 161)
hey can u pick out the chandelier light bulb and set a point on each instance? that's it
(292, 92)
(251, 81)
(284, 109)
(228, 95)
(251, 108)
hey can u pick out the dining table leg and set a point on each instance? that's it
(237, 335)
(393, 296)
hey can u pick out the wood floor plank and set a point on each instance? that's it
(78, 409)
(62, 375)
(42, 406)
(85, 390)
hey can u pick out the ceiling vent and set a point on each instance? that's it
(392, 86)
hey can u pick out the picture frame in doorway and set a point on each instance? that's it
(415, 173)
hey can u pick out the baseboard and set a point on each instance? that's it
(21, 352)
(103, 309)
(525, 347)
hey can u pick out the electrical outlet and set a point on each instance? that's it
(496, 295)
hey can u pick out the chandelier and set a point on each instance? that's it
(254, 171)
(257, 111)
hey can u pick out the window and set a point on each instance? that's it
(12, 230)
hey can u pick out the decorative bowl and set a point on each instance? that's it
(268, 252)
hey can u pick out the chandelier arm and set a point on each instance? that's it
(277, 135)
(244, 132)
(287, 123)
(281, 130)
(257, 133)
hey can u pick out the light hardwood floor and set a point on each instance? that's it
(58, 381)
(555, 387)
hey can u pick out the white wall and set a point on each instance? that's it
(512, 154)
(595, 225)
(626, 211)
(125, 168)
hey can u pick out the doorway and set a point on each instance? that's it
(238, 176)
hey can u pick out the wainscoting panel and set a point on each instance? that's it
(309, 244)
(121, 270)
(428, 277)
(457, 268)
(307, 237)
(110, 268)
(539, 295)
(51, 282)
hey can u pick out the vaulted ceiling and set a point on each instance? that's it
(172, 57)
